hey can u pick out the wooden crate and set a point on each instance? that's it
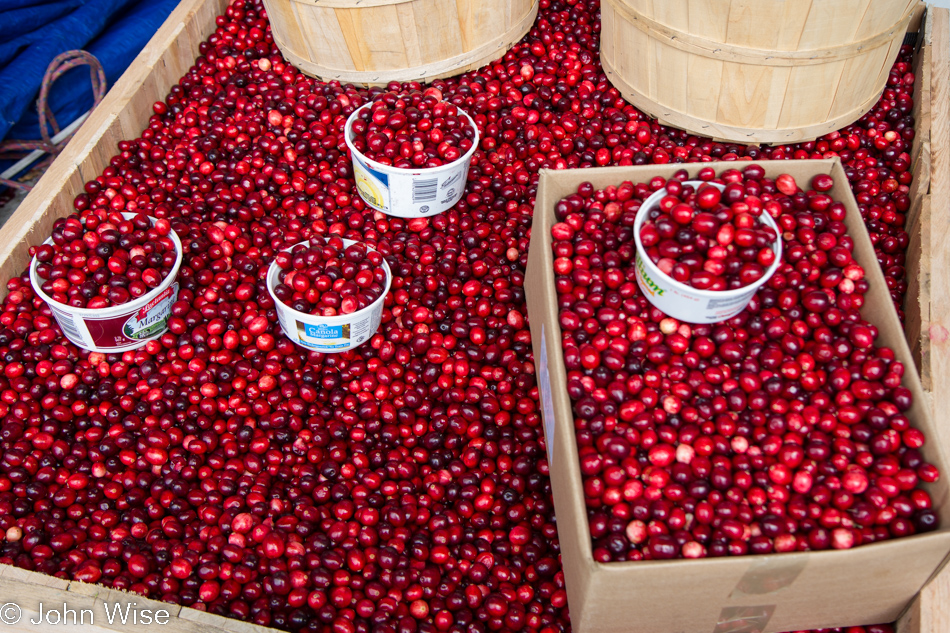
(927, 305)
(125, 112)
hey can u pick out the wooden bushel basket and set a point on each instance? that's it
(373, 42)
(753, 71)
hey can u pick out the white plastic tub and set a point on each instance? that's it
(122, 327)
(409, 193)
(328, 334)
(682, 301)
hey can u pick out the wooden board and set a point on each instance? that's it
(917, 299)
(928, 268)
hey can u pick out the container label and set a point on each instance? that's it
(372, 185)
(322, 331)
(321, 336)
(153, 317)
(422, 193)
(646, 282)
(547, 403)
(121, 331)
(717, 304)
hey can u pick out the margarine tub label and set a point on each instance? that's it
(339, 337)
(119, 331)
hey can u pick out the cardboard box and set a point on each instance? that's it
(762, 594)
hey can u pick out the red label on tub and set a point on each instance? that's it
(126, 329)
(107, 332)
(166, 293)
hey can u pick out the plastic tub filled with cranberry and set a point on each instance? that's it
(704, 248)
(109, 282)
(411, 153)
(329, 295)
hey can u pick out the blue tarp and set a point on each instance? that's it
(33, 32)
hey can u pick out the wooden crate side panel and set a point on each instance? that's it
(917, 16)
(917, 298)
(921, 111)
(935, 605)
(930, 610)
(939, 329)
(88, 603)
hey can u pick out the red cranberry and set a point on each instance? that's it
(412, 130)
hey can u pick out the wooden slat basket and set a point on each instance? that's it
(753, 71)
(374, 42)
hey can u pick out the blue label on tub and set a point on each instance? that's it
(326, 331)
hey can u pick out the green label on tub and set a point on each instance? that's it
(652, 288)
(152, 318)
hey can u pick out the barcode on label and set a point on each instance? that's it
(424, 190)
(69, 328)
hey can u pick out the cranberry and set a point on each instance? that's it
(102, 259)
(412, 130)
(696, 239)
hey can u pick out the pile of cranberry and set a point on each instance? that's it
(328, 279)
(413, 130)
(708, 238)
(102, 259)
(399, 486)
